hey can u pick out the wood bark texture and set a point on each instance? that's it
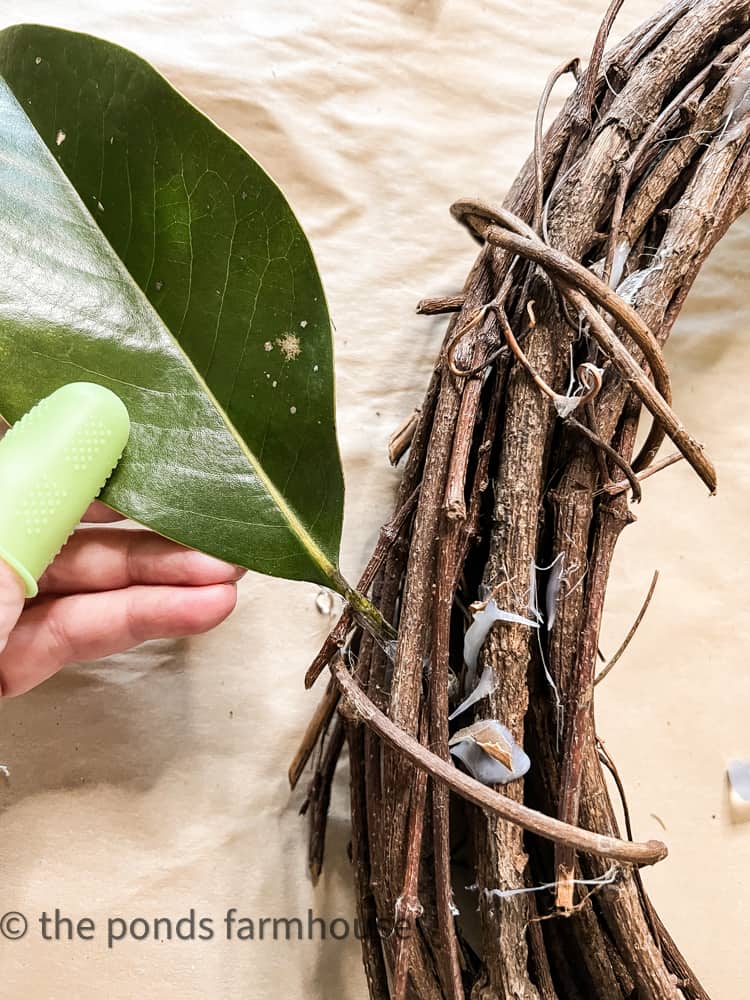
(518, 480)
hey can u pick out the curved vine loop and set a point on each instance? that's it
(585, 291)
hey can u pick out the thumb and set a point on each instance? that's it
(53, 462)
(12, 596)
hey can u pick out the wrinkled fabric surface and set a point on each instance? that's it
(155, 782)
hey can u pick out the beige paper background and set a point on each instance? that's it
(156, 781)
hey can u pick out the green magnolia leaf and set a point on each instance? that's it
(142, 248)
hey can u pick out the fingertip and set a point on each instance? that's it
(224, 599)
(99, 513)
(204, 570)
(12, 598)
(10, 580)
(199, 609)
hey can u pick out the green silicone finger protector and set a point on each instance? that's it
(53, 463)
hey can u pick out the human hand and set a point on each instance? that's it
(108, 590)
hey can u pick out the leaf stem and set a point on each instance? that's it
(368, 616)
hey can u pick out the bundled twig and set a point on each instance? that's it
(514, 492)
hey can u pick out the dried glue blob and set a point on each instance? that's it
(324, 602)
(485, 686)
(553, 589)
(619, 260)
(478, 630)
(489, 753)
(474, 639)
(565, 405)
(738, 100)
(739, 779)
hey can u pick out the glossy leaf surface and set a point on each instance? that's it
(143, 249)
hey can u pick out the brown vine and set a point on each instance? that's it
(553, 347)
